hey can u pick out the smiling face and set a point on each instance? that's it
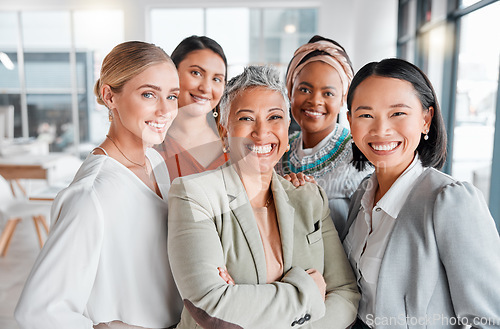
(201, 75)
(257, 129)
(316, 100)
(147, 104)
(387, 120)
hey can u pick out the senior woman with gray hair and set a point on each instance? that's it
(248, 249)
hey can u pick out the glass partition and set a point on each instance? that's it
(10, 87)
(247, 35)
(51, 82)
(476, 93)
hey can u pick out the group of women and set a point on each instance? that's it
(364, 231)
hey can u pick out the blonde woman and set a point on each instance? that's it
(105, 262)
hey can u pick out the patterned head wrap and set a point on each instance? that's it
(336, 57)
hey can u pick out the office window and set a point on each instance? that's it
(51, 83)
(406, 30)
(476, 93)
(431, 54)
(93, 41)
(455, 43)
(432, 11)
(9, 68)
(285, 30)
(247, 35)
(467, 3)
(220, 21)
(46, 30)
(170, 26)
(47, 73)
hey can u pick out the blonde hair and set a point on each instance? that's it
(124, 62)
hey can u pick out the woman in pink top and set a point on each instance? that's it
(193, 144)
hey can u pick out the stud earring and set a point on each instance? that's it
(215, 114)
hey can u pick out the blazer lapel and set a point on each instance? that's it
(350, 219)
(355, 204)
(243, 213)
(285, 213)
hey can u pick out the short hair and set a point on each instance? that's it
(193, 43)
(252, 76)
(124, 62)
(432, 151)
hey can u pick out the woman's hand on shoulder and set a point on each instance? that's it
(299, 179)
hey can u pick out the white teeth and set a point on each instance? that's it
(156, 125)
(313, 113)
(263, 149)
(385, 147)
(200, 99)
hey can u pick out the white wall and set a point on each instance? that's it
(375, 31)
(366, 28)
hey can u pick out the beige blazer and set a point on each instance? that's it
(211, 225)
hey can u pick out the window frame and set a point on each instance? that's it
(417, 34)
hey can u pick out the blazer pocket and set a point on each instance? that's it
(314, 236)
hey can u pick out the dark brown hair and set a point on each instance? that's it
(432, 151)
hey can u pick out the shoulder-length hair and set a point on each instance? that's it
(432, 151)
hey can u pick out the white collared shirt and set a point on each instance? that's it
(369, 233)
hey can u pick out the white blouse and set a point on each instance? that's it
(106, 256)
(369, 234)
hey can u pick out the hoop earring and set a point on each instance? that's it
(215, 114)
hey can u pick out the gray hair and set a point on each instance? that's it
(252, 76)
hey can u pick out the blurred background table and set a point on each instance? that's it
(56, 169)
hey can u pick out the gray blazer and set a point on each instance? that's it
(211, 224)
(441, 266)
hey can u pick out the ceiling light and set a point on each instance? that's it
(290, 28)
(4, 58)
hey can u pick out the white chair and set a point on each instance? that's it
(13, 210)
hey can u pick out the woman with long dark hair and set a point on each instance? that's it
(193, 143)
